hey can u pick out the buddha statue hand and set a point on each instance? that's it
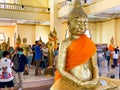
(89, 84)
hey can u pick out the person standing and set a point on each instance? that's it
(45, 55)
(23, 61)
(107, 56)
(38, 58)
(30, 55)
(55, 57)
(111, 73)
(115, 57)
(6, 75)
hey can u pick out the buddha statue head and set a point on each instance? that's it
(54, 33)
(112, 41)
(40, 41)
(50, 36)
(24, 40)
(77, 20)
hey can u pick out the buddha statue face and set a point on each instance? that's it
(50, 38)
(78, 25)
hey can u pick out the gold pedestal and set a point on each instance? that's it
(49, 70)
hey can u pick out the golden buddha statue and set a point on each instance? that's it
(25, 47)
(55, 38)
(4, 46)
(8, 43)
(50, 46)
(111, 46)
(77, 69)
(18, 41)
(112, 41)
(41, 42)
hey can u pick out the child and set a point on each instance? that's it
(6, 75)
(111, 74)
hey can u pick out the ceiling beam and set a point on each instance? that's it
(100, 6)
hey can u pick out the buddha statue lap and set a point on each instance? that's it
(77, 67)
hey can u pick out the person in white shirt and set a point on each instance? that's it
(101, 58)
(6, 75)
(115, 57)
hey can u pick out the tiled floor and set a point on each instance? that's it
(104, 70)
(43, 82)
(31, 81)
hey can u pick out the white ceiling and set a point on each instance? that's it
(113, 12)
(107, 14)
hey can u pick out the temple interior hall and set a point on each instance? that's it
(36, 19)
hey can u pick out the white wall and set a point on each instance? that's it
(43, 32)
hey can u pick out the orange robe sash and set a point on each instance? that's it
(111, 48)
(79, 52)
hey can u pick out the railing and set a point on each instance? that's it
(18, 7)
(65, 3)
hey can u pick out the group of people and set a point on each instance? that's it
(10, 70)
(14, 64)
(109, 59)
(41, 57)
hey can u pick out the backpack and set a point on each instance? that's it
(15, 61)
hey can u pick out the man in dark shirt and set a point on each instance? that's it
(22, 63)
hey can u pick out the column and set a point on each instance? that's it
(56, 22)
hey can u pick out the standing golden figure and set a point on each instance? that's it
(18, 41)
(77, 69)
(4, 46)
(25, 47)
(55, 39)
(50, 46)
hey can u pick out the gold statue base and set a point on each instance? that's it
(62, 84)
(49, 70)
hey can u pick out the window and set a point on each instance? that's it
(2, 37)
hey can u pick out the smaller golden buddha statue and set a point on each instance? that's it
(41, 42)
(112, 41)
(111, 46)
(4, 46)
(77, 67)
(25, 47)
(55, 39)
(18, 41)
(50, 46)
(8, 43)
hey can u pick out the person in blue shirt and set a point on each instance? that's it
(38, 58)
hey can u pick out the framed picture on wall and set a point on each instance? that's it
(2, 37)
